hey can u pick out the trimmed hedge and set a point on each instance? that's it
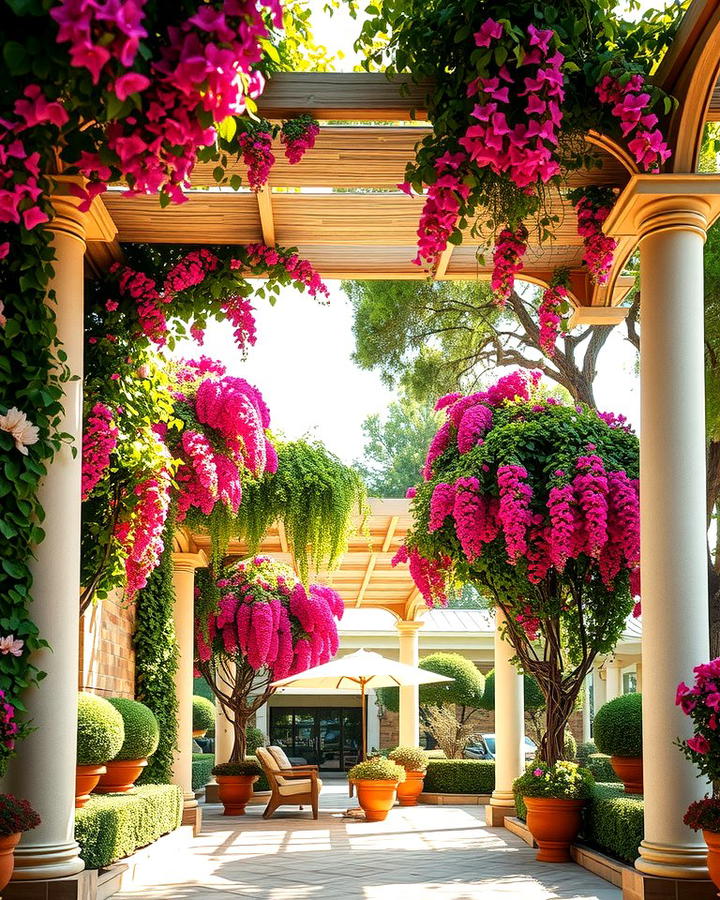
(614, 822)
(100, 730)
(113, 826)
(142, 732)
(617, 727)
(602, 770)
(202, 764)
(460, 776)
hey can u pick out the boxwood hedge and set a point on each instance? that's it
(112, 826)
(202, 764)
(460, 776)
(614, 822)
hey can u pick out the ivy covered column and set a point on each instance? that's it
(509, 727)
(184, 565)
(409, 694)
(44, 770)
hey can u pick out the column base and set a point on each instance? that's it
(637, 886)
(36, 862)
(82, 886)
(685, 863)
(502, 803)
(192, 815)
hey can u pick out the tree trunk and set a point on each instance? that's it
(240, 724)
(558, 711)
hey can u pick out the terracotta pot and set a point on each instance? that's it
(7, 860)
(713, 844)
(629, 770)
(86, 777)
(376, 798)
(120, 776)
(199, 732)
(409, 790)
(554, 824)
(234, 792)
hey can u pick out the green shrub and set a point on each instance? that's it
(437, 753)
(460, 776)
(249, 767)
(602, 770)
(112, 826)
(532, 695)
(202, 764)
(617, 727)
(100, 731)
(377, 769)
(262, 784)
(562, 781)
(142, 733)
(254, 739)
(584, 749)
(466, 688)
(412, 759)
(614, 822)
(203, 713)
(570, 746)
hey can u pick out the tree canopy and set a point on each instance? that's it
(532, 695)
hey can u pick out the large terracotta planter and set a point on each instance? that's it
(199, 732)
(8, 843)
(554, 824)
(86, 778)
(120, 776)
(629, 769)
(409, 790)
(234, 792)
(713, 843)
(376, 798)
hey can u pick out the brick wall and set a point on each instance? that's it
(107, 659)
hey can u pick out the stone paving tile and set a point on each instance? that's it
(421, 853)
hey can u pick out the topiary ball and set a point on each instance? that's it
(142, 732)
(617, 728)
(100, 731)
(203, 713)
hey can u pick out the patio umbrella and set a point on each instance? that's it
(358, 671)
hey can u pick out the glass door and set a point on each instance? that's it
(305, 736)
(330, 739)
(352, 737)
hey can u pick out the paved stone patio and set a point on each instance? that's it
(421, 853)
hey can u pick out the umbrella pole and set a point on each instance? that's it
(364, 723)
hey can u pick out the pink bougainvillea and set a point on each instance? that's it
(630, 104)
(599, 249)
(509, 250)
(514, 509)
(441, 505)
(99, 440)
(256, 146)
(298, 136)
(550, 317)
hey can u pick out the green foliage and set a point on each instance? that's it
(262, 783)
(394, 449)
(254, 738)
(600, 766)
(113, 826)
(413, 759)
(584, 750)
(378, 768)
(142, 733)
(314, 495)
(100, 731)
(532, 694)
(617, 727)
(156, 661)
(570, 746)
(466, 690)
(248, 767)
(460, 776)
(711, 260)
(203, 714)
(614, 822)
(202, 764)
(562, 781)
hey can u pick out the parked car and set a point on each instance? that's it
(482, 746)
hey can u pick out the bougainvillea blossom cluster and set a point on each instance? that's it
(298, 136)
(256, 147)
(630, 104)
(599, 249)
(554, 298)
(99, 440)
(8, 725)
(509, 250)
(701, 703)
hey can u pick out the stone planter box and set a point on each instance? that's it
(454, 799)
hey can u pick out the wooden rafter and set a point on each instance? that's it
(366, 579)
(267, 222)
(390, 533)
(444, 260)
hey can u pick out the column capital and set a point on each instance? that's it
(652, 203)
(409, 626)
(93, 225)
(188, 562)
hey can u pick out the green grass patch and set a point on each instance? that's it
(460, 776)
(113, 826)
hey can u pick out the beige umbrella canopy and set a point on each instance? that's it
(358, 671)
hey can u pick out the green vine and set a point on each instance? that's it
(314, 495)
(156, 660)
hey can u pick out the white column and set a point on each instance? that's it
(224, 735)
(638, 677)
(44, 770)
(261, 720)
(674, 548)
(373, 722)
(409, 694)
(586, 711)
(613, 680)
(509, 727)
(184, 565)
(599, 689)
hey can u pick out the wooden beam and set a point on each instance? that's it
(444, 260)
(267, 223)
(283, 537)
(389, 533)
(366, 579)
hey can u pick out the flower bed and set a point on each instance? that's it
(202, 764)
(460, 776)
(114, 826)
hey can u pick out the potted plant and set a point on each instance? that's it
(617, 729)
(235, 784)
(203, 716)
(100, 735)
(700, 703)
(16, 816)
(376, 781)
(142, 735)
(415, 763)
(554, 796)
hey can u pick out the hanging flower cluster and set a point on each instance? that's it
(267, 619)
(99, 440)
(554, 302)
(593, 207)
(701, 703)
(8, 725)
(507, 262)
(256, 149)
(300, 271)
(298, 136)
(631, 105)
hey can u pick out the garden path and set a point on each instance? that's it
(438, 852)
